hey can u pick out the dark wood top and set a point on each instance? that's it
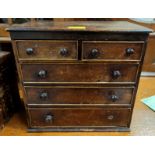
(101, 26)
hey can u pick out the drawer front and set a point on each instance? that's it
(50, 117)
(81, 73)
(47, 50)
(112, 50)
(64, 95)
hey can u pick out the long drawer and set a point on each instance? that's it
(104, 50)
(37, 95)
(79, 72)
(47, 50)
(65, 117)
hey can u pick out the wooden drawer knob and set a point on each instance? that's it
(43, 95)
(29, 51)
(48, 118)
(42, 74)
(94, 53)
(114, 98)
(110, 117)
(64, 52)
(129, 51)
(116, 74)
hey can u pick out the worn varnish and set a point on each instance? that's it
(49, 117)
(66, 72)
(101, 55)
(79, 95)
(92, 26)
(47, 50)
(112, 50)
(142, 121)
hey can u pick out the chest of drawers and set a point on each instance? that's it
(79, 76)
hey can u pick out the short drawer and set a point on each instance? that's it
(79, 73)
(111, 50)
(37, 95)
(47, 50)
(52, 117)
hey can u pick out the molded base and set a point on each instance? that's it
(81, 129)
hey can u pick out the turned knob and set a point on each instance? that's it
(42, 74)
(44, 95)
(63, 52)
(114, 98)
(129, 51)
(94, 53)
(110, 117)
(29, 51)
(116, 74)
(48, 118)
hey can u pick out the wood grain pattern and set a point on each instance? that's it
(112, 50)
(81, 72)
(79, 117)
(113, 71)
(47, 50)
(106, 26)
(142, 121)
(77, 95)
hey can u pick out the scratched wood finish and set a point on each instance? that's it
(142, 121)
(79, 117)
(63, 95)
(91, 26)
(112, 50)
(90, 72)
(47, 50)
(110, 70)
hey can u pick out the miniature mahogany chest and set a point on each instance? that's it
(79, 76)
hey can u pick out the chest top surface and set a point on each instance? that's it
(80, 30)
(86, 26)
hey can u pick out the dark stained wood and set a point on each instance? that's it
(107, 30)
(79, 117)
(73, 95)
(148, 65)
(47, 50)
(105, 26)
(81, 35)
(142, 122)
(85, 72)
(112, 50)
(77, 95)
